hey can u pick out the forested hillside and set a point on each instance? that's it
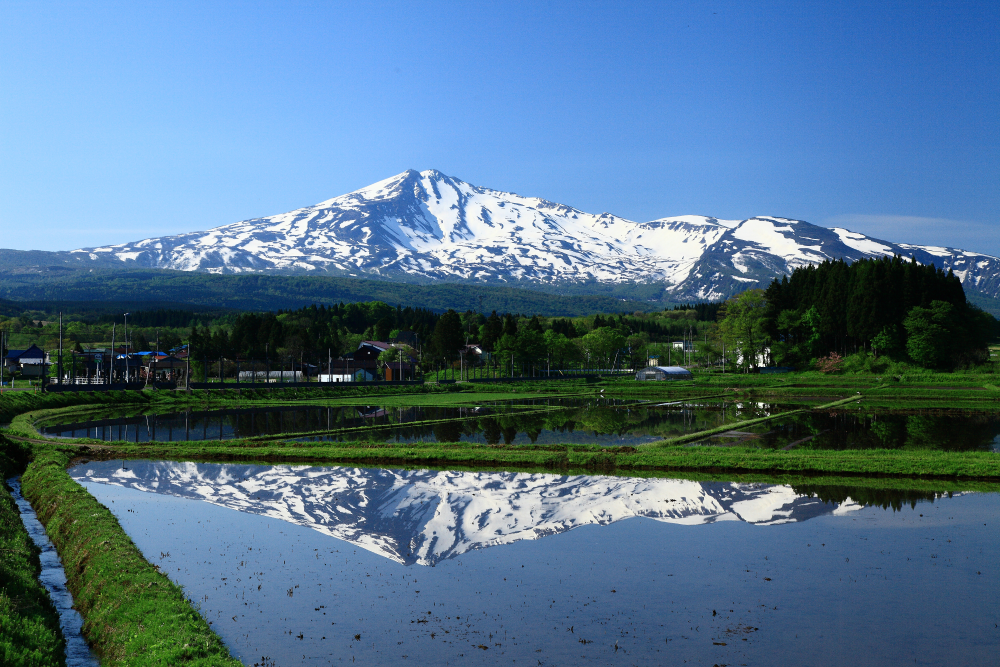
(887, 306)
(271, 292)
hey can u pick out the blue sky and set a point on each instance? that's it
(121, 121)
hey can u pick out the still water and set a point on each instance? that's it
(606, 422)
(945, 430)
(297, 565)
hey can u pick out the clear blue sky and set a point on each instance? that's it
(120, 121)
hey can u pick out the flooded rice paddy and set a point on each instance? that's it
(853, 429)
(297, 565)
(605, 422)
(546, 421)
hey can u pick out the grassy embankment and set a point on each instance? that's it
(29, 623)
(664, 456)
(133, 614)
(668, 455)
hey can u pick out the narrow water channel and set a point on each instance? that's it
(311, 565)
(53, 577)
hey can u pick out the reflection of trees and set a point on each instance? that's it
(951, 431)
(840, 431)
(884, 498)
(448, 431)
(606, 420)
(491, 431)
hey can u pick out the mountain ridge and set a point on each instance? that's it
(429, 227)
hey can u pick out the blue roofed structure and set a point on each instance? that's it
(664, 373)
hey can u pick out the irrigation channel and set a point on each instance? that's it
(606, 422)
(297, 565)
(53, 578)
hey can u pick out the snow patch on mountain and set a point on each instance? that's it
(427, 225)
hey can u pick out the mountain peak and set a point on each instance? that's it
(428, 225)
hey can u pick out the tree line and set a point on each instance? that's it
(887, 307)
(440, 339)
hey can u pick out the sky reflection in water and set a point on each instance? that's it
(484, 568)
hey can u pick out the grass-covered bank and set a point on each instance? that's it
(133, 614)
(915, 464)
(666, 455)
(29, 623)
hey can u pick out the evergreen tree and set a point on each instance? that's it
(491, 331)
(448, 336)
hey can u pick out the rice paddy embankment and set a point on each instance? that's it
(29, 623)
(133, 614)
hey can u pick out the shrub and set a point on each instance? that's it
(830, 364)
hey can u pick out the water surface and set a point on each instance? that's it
(945, 430)
(608, 422)
(320, 565)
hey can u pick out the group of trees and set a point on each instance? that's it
(312, 332)
(887, 308)
(438, 339)
(877, 307)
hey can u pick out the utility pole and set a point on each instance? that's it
(125, 334)
(60, 348)
(111, 360)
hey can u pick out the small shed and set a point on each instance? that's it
(664, 373)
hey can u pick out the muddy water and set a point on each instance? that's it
(330, 565)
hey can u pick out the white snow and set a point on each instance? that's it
(769, 235)
(439, 227)
(861, 242)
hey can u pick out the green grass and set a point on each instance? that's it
(29, 623)
(668, 455)
(916, 464)
(133, 614)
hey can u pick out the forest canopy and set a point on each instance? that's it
(888, 306)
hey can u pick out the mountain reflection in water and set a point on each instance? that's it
(424, 516)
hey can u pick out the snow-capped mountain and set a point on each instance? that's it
(426, 225)
(424, 516)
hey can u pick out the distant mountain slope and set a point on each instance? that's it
(421, 227)
(173, 289)
(426, 225)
